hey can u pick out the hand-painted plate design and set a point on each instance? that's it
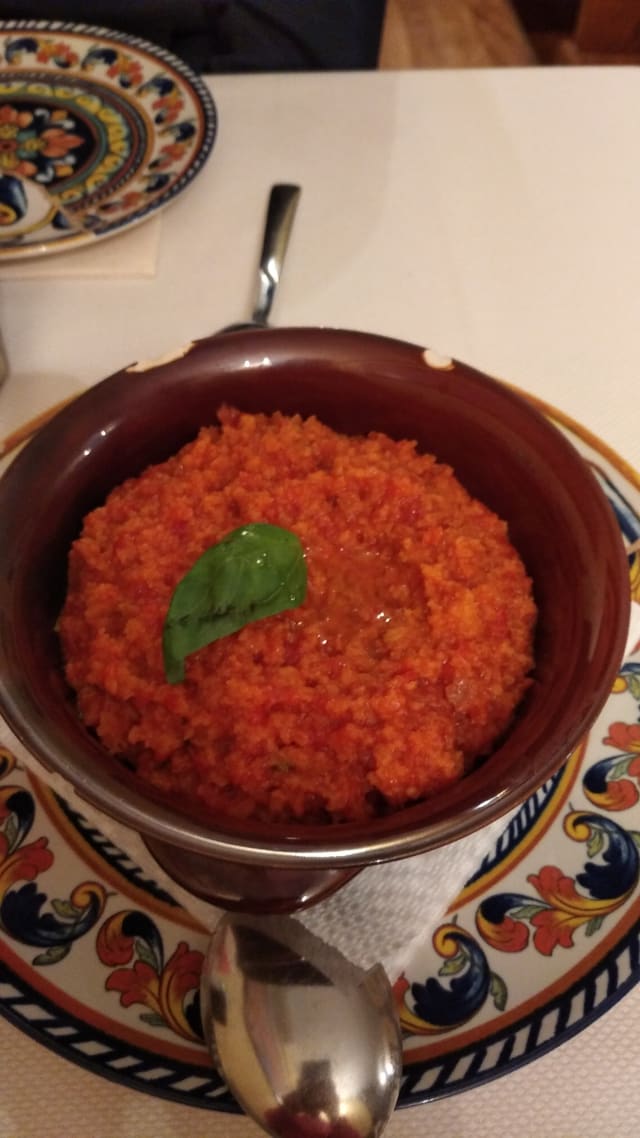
(98, 963)
(98, 130)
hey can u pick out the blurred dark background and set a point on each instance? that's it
(234, 35)
(217, 36)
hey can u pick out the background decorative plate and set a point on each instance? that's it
(101, 965)
(98, 130)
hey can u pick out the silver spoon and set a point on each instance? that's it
(281, 210)
(4, 363)
(303, 1037)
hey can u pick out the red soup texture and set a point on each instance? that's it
(402, 666)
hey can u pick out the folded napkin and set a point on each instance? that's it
(132, 253)
(378, 916)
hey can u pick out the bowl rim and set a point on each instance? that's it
(341, 845)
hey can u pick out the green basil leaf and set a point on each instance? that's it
(255, 571)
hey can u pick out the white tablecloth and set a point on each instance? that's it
(491, 215)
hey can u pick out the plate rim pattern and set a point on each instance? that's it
(156, 53)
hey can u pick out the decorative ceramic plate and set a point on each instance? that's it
(101, 965)
(98, 130)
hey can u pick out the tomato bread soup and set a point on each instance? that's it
(401, 667)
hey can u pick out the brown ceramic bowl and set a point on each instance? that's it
(503, 450)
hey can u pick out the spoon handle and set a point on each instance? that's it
(283, 202)
(4, 364)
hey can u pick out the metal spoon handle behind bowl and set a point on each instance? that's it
(283, 202)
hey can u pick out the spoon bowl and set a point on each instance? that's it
(307, 1042)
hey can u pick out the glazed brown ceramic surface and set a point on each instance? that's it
(504, 451)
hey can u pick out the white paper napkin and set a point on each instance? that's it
(132, 253)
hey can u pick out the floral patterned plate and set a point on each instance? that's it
(101, 965)
(98, 130)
